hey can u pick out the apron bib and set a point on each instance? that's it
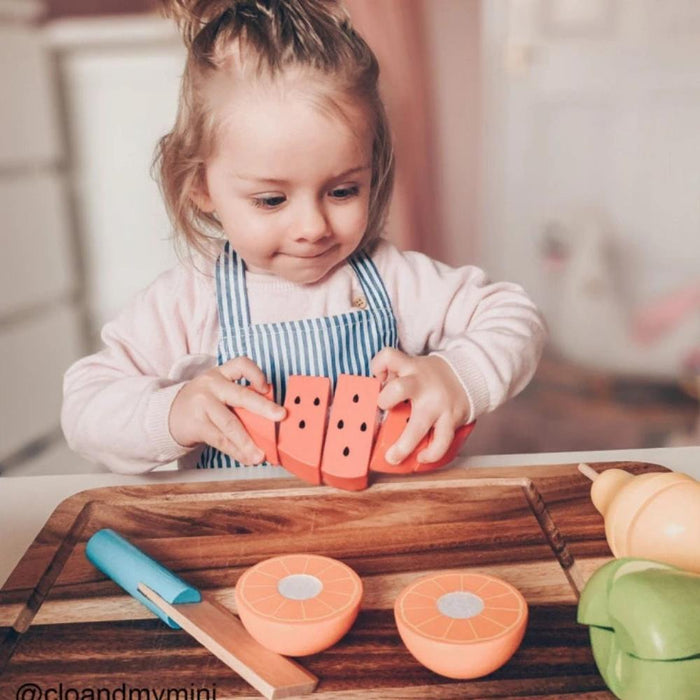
(327, 346)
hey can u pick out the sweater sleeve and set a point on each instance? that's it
(116, 402)
(491, 334)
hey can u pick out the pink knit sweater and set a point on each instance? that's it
(117, 401)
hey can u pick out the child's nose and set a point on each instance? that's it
(312, 224)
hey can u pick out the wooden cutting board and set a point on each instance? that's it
(64, 626)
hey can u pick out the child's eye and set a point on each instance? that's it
(345, 192)
(269, 201)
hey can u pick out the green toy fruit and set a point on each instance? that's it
(593, 604)
(644, 620)
(630, 678)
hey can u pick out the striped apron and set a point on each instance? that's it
(328, 346)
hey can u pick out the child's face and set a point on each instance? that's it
(289, 182)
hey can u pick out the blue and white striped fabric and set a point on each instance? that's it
(328, 346)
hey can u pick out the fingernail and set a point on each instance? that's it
(258, 457)
(392, 456)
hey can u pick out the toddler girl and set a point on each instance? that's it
(278, 174)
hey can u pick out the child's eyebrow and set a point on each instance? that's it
(278, 181)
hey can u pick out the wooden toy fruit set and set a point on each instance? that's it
(643, 609)
(426, 551)
(298, 604)
(459, 624)
(337, 446)
(644, 626)
(653, 516)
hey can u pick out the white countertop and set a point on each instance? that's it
(26, 502)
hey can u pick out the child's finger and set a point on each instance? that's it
(245, 368)
(443, 434)
(395, 391)
(211, 435)
(233, 431)
(237, 396)
(390, 360)
(413, 433)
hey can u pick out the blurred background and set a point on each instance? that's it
(553, 142)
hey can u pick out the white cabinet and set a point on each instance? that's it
(34, 354)
(82, 226)
(121, 79)
(37, 265)
(29, 133)
(40, 324)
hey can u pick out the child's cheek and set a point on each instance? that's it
(353, 219)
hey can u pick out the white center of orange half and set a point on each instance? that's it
(460, 605)
(299, 586)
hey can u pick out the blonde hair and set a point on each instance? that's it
(277, 34)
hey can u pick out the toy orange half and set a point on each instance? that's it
(461, 624)
(298, 604)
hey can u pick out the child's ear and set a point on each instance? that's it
(199, 194)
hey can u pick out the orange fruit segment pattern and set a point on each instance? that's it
(461, 624)
(298, 604)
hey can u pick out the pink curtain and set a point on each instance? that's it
(395, 31)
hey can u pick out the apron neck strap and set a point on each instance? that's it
(232, 294)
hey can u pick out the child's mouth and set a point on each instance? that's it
(313, 256)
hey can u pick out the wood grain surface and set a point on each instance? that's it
(63, 624)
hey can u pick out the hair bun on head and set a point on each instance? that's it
(192, 15)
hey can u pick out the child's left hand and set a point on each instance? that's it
(437, 401)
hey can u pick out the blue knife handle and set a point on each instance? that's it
(128, 566)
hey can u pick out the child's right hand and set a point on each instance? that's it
(201, 411)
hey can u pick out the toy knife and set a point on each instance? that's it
(180, 605)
